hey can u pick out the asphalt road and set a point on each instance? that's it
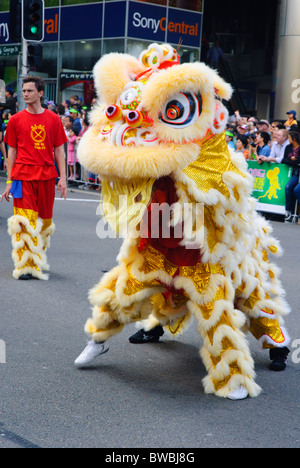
(136, 396)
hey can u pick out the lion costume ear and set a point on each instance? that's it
(222, 89)
(112, 73)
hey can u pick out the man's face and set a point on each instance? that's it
(30, 93)
(280, 137)
(68, 123)
(263, 127)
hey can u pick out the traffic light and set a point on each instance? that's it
(34, 55)
(14, 23)
(33, 20)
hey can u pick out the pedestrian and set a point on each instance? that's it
(35, 137)
(72, 159)
(215, 55)
(84, 171)
(75, 116)
(263, 126)
(11, 103)
(262, 147)
(229, 136)
(292, 189)
(242, 146)
(291, 119)
(279, 144)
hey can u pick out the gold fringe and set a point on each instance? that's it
(124, 203)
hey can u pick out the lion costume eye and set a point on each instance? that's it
(181, 110)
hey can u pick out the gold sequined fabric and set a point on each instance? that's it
(213, 161)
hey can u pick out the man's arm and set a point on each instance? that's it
(59, 155)
(12, 155)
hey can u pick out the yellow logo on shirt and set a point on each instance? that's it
(38, 134)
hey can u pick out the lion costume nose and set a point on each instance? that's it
(113, 113)
(134, 118)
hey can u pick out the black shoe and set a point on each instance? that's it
(26, 277)
(278, 357)
(151, 336)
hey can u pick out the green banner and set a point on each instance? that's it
(270, 180)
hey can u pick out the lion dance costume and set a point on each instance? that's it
(157, 141)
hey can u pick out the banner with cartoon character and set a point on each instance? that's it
(270, 180)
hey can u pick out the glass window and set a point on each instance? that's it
(80, 55)
(189, 55)
(48, 60)
(194, 5)
(53, 3)
(156, 2)
(135, 47)
(113, 45)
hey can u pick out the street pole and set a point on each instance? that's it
(22, 73)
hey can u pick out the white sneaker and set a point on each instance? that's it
(239, 394)
(90, 352)
(288, 217)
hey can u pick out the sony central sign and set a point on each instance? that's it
(156, 23)
(180, 27)
(4, 32)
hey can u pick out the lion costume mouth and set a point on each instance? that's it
(151, 159)
(124, 135)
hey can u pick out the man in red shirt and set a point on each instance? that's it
(36, 138)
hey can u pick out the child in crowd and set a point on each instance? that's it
(72, 159)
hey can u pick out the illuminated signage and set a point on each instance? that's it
(144, 21)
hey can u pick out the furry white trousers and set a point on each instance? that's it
(30, 241)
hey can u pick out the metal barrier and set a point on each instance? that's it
(83, 179)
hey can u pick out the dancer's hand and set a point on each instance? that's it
(62, 188)
(6, 193)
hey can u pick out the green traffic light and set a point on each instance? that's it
(33, 29)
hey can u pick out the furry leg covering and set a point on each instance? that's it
(30, 241)
(225, 351)
(118, 299)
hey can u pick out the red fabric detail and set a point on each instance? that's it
(26, 172)
(156, 232)
(38, 196)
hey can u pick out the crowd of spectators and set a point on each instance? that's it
(259, 140)
(271, 142)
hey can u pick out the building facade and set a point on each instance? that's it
(260, 41)
(76, 36)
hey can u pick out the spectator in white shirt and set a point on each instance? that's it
(278, 147)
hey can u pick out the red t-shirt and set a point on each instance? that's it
(34, 136)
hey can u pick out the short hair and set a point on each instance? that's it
(243, 139)
(265, 136)
(284, 131)
(37, 80)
